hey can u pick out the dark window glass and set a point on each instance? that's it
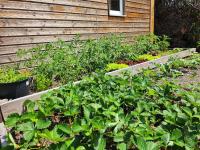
(115, 5)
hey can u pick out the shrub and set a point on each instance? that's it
(62, 62)
(150, 43)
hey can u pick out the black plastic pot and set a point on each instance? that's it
(14, 90)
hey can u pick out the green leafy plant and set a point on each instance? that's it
(150, 43)
(114, 66)
(62, 62)
(11, 75)
(42, 82)
(147, 57)
(111, 112)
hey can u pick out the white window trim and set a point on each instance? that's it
(118, 13)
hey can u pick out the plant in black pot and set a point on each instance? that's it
(13, 83)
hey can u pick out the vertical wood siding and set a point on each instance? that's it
(26, 23)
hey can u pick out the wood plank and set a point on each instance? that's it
(137, 5)
(80, 3)
(16, 14)
(9, 32)
(152, 16)
(50, 38)
(30, 23)
(51, 8)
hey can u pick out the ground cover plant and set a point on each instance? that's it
(60, 62)
(110, 112)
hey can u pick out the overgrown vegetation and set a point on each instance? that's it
(109, 112)
(60, 62)
(11, 75)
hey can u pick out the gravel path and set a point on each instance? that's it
(192, 77)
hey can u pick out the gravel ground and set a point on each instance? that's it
(192, 77)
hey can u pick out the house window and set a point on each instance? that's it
(116, 7)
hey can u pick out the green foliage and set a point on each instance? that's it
(198, 44)
(62, 62)
(147, 57)
(111, 112)
(150, 43)
(10, 74)
(42, 82)
(114, 66)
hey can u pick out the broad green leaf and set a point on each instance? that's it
(30, 106)
(76, 128)
(28, 126)
(66, 129)
(42, 124)
(121, 146)
(166, 138)
(28, 135)
(119, 137)
(176, 134)
(152, 146)
(52, 135)
(80, 148)
(101, 144)
(12, 120)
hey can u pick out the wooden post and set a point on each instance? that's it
(152, 16)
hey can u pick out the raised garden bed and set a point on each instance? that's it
(10, 107)
(156, 112)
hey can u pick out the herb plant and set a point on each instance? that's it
(11, 75)
(147, 57)
(114, 66)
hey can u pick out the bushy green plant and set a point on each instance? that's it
(10, 74)
(114, 66)
(150, 43)
(69, 61)
(42, 82)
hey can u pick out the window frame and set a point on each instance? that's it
(115, 12)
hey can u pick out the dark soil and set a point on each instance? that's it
(130, 62)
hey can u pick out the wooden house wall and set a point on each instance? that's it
(26, 23)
